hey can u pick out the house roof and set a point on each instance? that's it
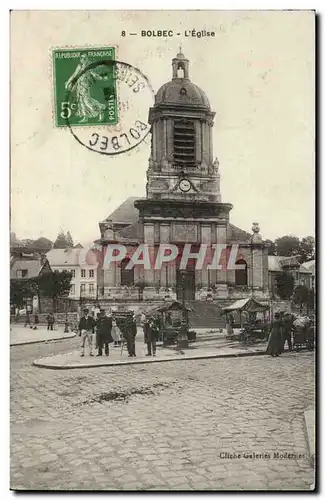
(63, 256)
(303, 269)
(276, 262)
(33, 267)
(310, 265)
(172, 305)
(126, 213)
(250, 305)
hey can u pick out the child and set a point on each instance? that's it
(116, 334)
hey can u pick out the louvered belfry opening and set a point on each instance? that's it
(184, 143)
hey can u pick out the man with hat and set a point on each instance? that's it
(86, 331)
(104, 329)
(130, 334)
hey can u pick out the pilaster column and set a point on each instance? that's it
(198, 141)
(210, 149)
(221, 232)
(205, 143)
(206, 238)
(166, 273)
(170, 131)
(149, 240)
(154, 140)
(163, 138)
(257, 265)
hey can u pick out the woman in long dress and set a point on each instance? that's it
(80, 83)
(274, 345)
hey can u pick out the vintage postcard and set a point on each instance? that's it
(162, 251)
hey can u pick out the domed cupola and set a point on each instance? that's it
(180, 90)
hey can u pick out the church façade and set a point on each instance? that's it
(182, 206)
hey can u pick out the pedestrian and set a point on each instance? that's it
(50, 321)
(36, 322)
(275, 342)
(86, 331)
(151, 333)
(116, 333)
(230, 324)
(27, 320)
(131, 331)
(287, 322)
(104, 329)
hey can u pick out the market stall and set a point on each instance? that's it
(249, 316)
(175, 323)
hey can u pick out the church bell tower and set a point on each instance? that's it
(181, 165)
(183, 202)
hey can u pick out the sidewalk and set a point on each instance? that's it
(20, 335)
(217, 347)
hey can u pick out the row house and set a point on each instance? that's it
(84, 275)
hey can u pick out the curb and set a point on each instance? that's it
(42, 341)
(309, 421)
(39, 364)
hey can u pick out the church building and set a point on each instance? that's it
(182, 206)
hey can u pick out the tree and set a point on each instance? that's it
(311, 300)
(307, 248)
(42, 245)
(61, 241)
(301, 296)
(287, 246)
(22, 289)
(285, 285)
(69, 239)
(271, 248)
(55, 284)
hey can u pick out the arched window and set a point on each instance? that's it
(127, 275)
(180, 72)
(241, 274)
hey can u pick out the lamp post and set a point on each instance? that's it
(66, 326)
(182, 337)
(252, 272)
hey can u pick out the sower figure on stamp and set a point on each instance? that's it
(151, 335)
(104, 329)
(86, 331)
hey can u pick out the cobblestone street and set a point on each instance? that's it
(160, 426)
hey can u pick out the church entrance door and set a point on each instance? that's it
(185, 285)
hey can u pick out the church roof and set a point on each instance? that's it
(126, 213)
(132, 233)
(181, 92)
(235, 234)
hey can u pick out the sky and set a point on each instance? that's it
(258, 73)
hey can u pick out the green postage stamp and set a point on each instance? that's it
(84, 87)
